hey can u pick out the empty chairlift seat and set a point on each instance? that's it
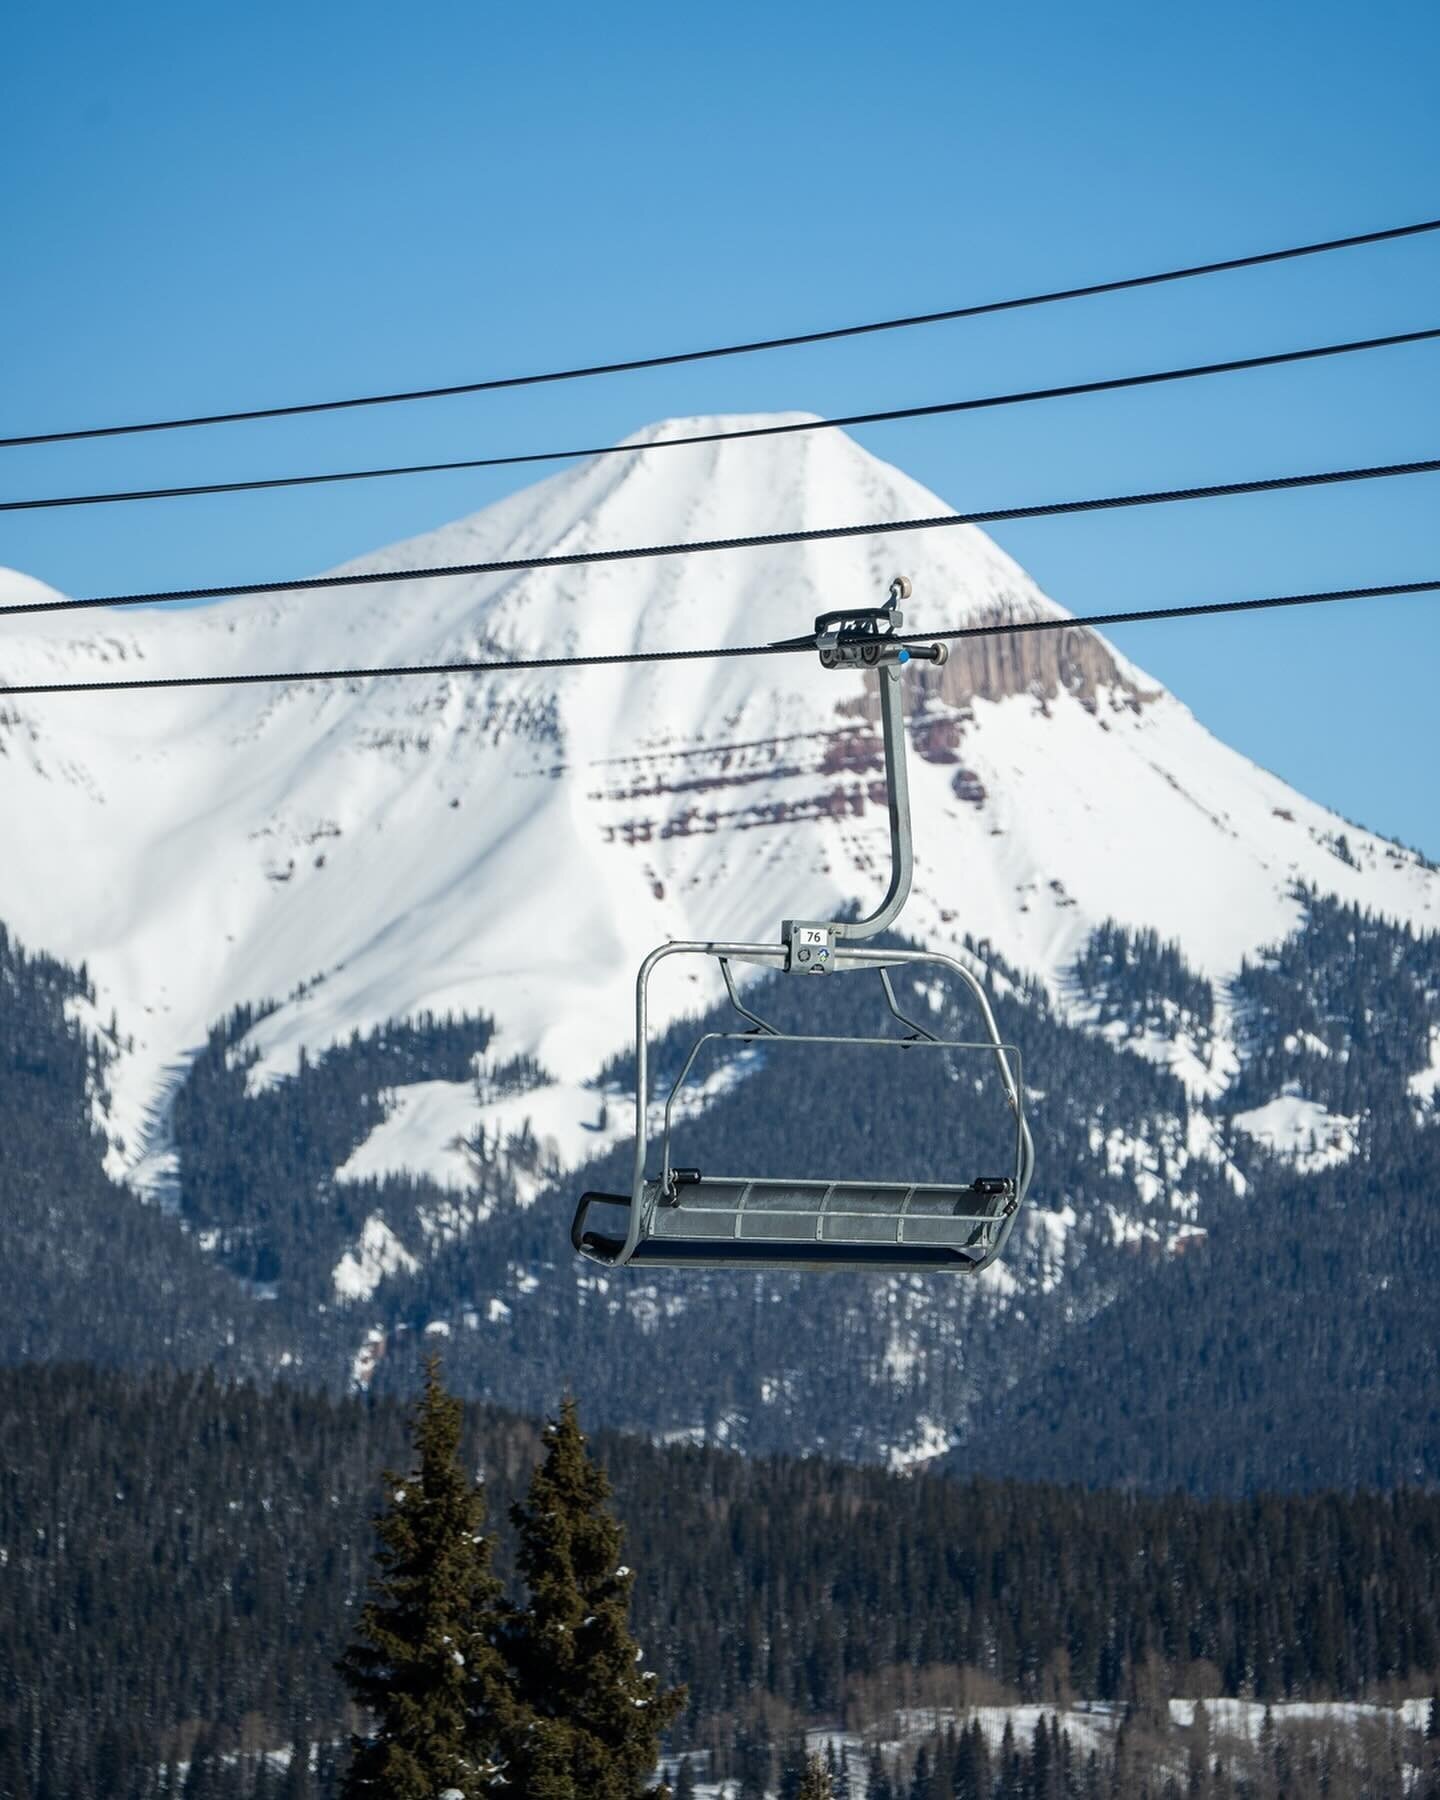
(734, 1222)
(679, 1217)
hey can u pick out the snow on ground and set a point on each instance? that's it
(1092, 1725)
(931, 1439)
(998, 1280)
(424, 1132)
(1424, 1085)
(1300, 1130)
(428, 1125)
(377, 1254)
(1054, 1228)
(1246, 1718)
(1205, 1069)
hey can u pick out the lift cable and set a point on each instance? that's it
(1107, 385)
(790, 647)
(759, 541)
(976, 310)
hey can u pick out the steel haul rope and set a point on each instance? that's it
(1143, 615)
(905, 322)
(985, 402)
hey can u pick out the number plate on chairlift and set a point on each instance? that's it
(811, 947)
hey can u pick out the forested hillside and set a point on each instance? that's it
(258, 1165)
(85, 1270)
(221, 1535)
(1145, 1327)
(1297, 1346)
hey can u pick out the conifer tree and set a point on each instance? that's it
(296, 1785)
(588, 1718)
(816, 1784)
(972, 1763)
(920, 1780)
(202, 1778)
(794, 1761)
(425, 1665)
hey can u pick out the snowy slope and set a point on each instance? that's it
(514, 844)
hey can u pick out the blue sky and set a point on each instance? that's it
(220, 207)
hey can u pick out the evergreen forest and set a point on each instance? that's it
(183, 1560)
(1187, 1449)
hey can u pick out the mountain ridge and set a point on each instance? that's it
(387, 849)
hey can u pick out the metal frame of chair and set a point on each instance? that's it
(681, 1217)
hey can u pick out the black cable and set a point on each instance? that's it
(760, 541)
(1086, 291)
(1106, 385)
(1204, 609)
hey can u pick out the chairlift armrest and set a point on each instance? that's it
(577, 1224)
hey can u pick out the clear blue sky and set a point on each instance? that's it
(213, 207)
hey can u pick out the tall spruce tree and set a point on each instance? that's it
(816, 1784)
(877, 1778)
(425, 1665)
(589, 1719)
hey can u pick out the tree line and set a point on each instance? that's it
(182, 1561)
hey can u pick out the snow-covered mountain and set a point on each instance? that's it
(515, 843)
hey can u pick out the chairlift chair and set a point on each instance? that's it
(678, 1217)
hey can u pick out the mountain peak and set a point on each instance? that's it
(667, 431)
(513, 843)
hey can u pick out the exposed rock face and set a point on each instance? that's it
(1038, 663)
(1042, 663)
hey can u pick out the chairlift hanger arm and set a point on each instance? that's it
(864, 638)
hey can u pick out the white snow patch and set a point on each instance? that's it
(901, 1356)
(1204, 1066)
(1246, 1718)
(423, 1133)
(1125, 1228)
(570, 1122)
(429, 1127)
(362, 1364)
(999, 1280)
(1424, 1085)
(1301, 1131)
(932, 1439)
(377, 1254)
(1052, 1229)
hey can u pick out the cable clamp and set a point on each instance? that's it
(864, 637)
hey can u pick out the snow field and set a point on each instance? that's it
(515, 844)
